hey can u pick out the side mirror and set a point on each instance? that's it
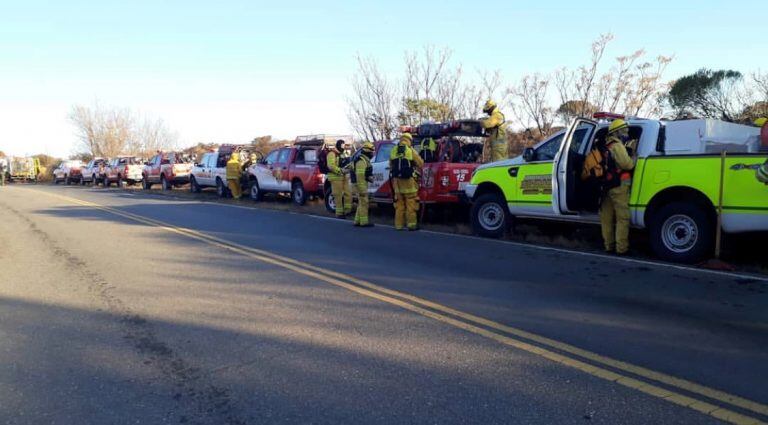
(529, 154)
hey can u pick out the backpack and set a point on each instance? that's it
(611, 174)
(593, 165)
(400, 166)
(322, 160)
(368, 169)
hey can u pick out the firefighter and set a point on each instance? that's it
(234, 175)
(616, 182)
(494, 127)
(337, 175)
(405, 165)
(362, 175)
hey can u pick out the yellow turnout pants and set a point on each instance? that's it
(234, 188)
(614, 219)
(342, 195)
(499, 150)
(406, 207)
(361, 214)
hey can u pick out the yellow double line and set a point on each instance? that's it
(619, 372)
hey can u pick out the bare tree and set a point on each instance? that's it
(371, 107)
(760, 81)
(530, 103)
(110, 131)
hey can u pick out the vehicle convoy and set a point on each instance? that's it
(123, 169)
(458, 151)
(296, 170)
(211, 171)
(68, 171)
(675, 190)
(93, 171)
(22, 168)
(169, 169)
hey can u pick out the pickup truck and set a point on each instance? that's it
(122, 169)
(459, 150)
(211, 171)
(68, 172)
(675, 191)
(167, 168)
(93, 171)
(294, 169)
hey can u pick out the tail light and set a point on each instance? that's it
(125, 171)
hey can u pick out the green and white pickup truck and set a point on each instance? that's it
(675, 189)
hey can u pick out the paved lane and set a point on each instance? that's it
(192, 331)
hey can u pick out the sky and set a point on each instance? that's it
(228, 71)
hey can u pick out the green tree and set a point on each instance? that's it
(415, 111)
(708, 94)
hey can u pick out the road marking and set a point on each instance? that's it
(659, 264)
(472, 323)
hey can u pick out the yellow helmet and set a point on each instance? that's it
(761, 121)
(367, 146)
(616, 125)
(489, 105)
(407, 138)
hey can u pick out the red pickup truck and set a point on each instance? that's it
(459, 151)
(294, 170)
(167, 168)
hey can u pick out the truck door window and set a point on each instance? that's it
(284, 156)
(271, 158)
(310, 156)
(383, 153)
(548, 150)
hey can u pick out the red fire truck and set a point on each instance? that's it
(459, 150)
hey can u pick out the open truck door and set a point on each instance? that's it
(568, 163)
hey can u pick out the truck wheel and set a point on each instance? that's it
(67, 181)
(255, 191)
(55, 180)
(105, 182)
(145, 183)
(164, 183)
(298, 194)
(193, 186)
(490, 216)
(221, 189)
(682, 232)
(330, 201)
(94, 182)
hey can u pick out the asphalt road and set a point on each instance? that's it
(123, 308)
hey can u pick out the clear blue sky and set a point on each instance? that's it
(232, 70)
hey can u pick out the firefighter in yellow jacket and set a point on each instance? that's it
(337, 175)
(234, 175)
(497, 135)
(617, 180)
(362, 175)
(405, 165)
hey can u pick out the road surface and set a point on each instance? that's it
(128, 308)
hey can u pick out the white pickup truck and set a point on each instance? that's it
(93, 171)
(211, 171)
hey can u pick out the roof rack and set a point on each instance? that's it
(320, 139)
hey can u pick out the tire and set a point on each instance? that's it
(145, 183)
(105, 182)
(56, 181)
(164, 183)
(255, 192)
(221, 189)
(298, 194)
(193, 186)
(682, 232)
(329, 200)
(67, 181)
(490, 216)
(94, 182)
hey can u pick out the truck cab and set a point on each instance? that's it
(675, 191)
(292, 169)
